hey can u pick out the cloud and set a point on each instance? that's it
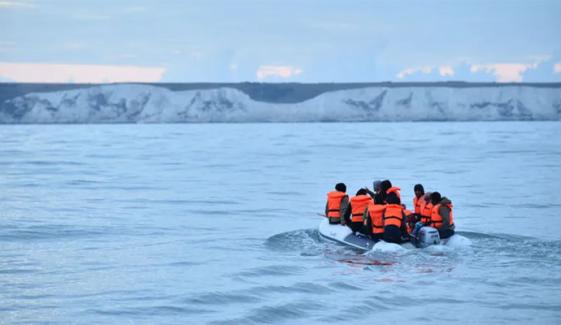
(80, 73)
(409, 71)
(446, 70)
(16, 4)
(282, 71)
(510, 72)
(557, 68)
(443, 70)
(504, 72)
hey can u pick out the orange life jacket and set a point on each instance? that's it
(334, 204)
(376, 214)
(426, 211)
(393, 216)
(395, 190)
(408, 215)
(417, 204)
(359, 204)
(436, 218)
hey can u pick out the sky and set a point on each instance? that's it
(280, 41)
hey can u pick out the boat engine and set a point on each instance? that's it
(425, 237)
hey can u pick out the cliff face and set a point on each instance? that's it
(133, 103)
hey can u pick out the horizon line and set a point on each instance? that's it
(286, 82)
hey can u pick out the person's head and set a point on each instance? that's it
(419, 190)
(392, 198)
(378, 199)
(341, 187)
(385, 185)
(435, 197)
(376, 186)
(361, 192)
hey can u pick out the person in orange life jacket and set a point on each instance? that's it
(394, 219)
(419, 192)
(397, 191)
(426, 209)
(373, 223)
(410, 219)
(384, 186)
(381, 189)
(425, 214)
(409, 215)
(337, 203)
(355, 212)
(442, 217)
(376, 187)
(414, 216)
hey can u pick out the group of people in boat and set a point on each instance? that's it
(380, 215)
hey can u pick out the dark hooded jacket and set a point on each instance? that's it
(444, 211)
(342, 210)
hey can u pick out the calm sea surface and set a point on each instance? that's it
(216, 223)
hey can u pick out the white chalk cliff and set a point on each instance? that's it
(132, 103)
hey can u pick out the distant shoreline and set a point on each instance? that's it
(289, 92)
(247, 102)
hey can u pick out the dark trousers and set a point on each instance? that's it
(334, 221)
(367, 230)
(446, 233)
(392, 234)
(355, 226)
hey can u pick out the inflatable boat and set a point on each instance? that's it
(426, 236)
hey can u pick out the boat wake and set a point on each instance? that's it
(462, 247)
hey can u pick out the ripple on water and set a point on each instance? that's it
(222, 298)
(150, 310)
(344, 286)
(541, 306)
(299, 287)
(18, 271)
(288, 241)
(276, 313)
(50, 232)
(272, 270)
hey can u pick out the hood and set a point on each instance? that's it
(445, 201)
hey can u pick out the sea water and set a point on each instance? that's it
(217, 224)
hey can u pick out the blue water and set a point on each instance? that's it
(216, 223)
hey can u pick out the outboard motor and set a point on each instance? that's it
(425, 237)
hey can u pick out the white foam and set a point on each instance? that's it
(458, 241)
(386, 247)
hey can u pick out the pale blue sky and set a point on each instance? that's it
(270, 40)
